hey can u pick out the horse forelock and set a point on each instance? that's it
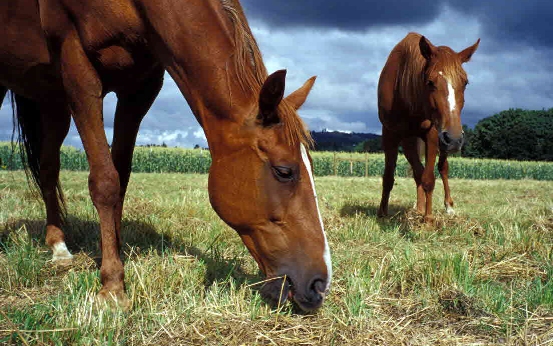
(295, 129)
(450, 65)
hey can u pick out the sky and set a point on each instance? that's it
(345, 43)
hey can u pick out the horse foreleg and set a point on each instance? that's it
(443, 168)
(428, 177)
(391, 147)
(84, 92)
(131, 109)
(411, 152)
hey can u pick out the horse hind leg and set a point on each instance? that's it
(443, 168)
(55, 126)
(42, 130)
(131, 109)
(411, 150)
(391, 147)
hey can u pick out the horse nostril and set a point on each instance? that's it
(445, 138)
(318, 288)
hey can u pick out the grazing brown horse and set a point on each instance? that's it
(420, 96)
(61, 57)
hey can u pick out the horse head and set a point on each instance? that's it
(446, 81)
(262, 186)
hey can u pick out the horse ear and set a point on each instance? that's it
(427, 49)
(467, 53)
(270, 96)
(298, 97)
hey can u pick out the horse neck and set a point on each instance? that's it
(195, 41)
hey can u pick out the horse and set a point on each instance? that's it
(61, 57)
(420, 97)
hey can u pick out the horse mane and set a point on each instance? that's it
(251, 73)
(410, 82)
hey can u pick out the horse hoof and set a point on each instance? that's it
(113, 299)
(429, 219)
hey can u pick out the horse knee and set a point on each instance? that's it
(104, 188)
(428, 186)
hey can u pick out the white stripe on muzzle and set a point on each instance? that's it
(450, 94)
(326, 254)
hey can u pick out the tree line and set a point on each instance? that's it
(513, 134)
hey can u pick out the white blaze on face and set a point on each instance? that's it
(326, 254)
(450, 94)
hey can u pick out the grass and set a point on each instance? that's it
(483, 276)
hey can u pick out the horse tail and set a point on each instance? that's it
(28, 128)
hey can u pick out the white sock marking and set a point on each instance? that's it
(61, 252)
(326, 254)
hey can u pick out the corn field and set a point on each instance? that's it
(177, 160)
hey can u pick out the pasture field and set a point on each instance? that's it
(483, 276)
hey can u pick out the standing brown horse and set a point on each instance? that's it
(61, 57)
(421, 95)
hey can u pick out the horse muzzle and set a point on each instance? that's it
(449, 143)
(308, 297)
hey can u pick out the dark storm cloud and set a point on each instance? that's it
(528, 22)
(346, 43)
(342, 14)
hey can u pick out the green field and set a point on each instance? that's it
(483, 276)
(177, 160)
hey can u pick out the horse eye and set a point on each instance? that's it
(283, 174)
(431, 84)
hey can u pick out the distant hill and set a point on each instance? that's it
(340, 141)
